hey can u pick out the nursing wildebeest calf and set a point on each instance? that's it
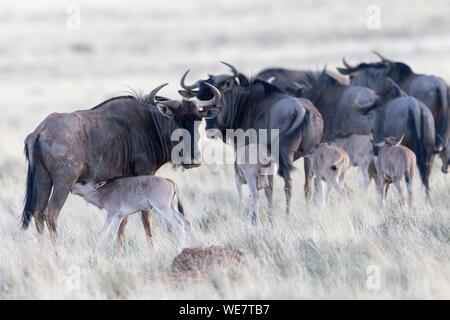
(254, 104)
(433, 91)
(124, 196)
(123, 136)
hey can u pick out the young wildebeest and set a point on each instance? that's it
(121, 137)
(329, 165)
(359, 148)
(123, 196)
(253, 167)
(433, 91)
(394, 162)
(251, 105)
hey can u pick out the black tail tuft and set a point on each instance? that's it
(30, 192)
(418, 144)
(288, 141)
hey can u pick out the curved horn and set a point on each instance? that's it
(400, 141)
(152, 94)
(270, 80)
(232, 68)
(184, 85)
(380, 56)
(347, 65)
(209, 103)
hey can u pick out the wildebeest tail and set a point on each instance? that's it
(419, 145)
(31, 153)
(443, 93)
(287, 141)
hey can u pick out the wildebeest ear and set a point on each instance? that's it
(210, 112)
(165, 110)
(187, 94)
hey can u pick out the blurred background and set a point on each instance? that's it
(67, 55)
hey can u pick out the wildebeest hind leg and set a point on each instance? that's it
(58, 198)
(43, 195)
(121, 232)
(146, 217)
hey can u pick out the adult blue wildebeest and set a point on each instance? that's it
(430, 89)
(254, 104)
(384, 110)
(123, 136)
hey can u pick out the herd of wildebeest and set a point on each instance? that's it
(380, 116)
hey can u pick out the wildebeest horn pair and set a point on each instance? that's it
(201, 105)
(351, 68)
(197, 84)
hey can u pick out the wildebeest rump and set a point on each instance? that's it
(340, 105)
(393, 163)
(121, 137)
(255, 104)
(430, 89)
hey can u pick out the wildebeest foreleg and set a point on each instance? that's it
(308, 178)
(287, 190)
(239, 181)
(253, 213)
(268, 190)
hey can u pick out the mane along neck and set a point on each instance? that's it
(243, 101)
(159, 146)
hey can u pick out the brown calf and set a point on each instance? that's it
(124, 196)
(329, 165)
(393, 163)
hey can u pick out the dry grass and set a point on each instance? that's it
(44, 67)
